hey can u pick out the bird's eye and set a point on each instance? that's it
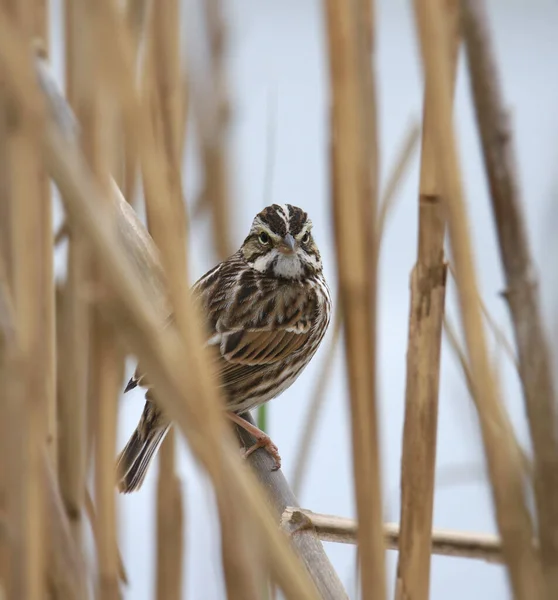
(305, 238)
(264, 238)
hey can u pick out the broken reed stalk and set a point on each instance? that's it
(354, 214)
(535, 364)
(428, 291)
(342, 530)
(163, 79)
(500, 445)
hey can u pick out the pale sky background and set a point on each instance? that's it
(278, 70)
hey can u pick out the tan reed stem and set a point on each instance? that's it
(138, 17)
(40, 32)
(503, 457)
(73, 342)
(7, 326)
(354, 174)
(342, 530)
(65, 567)
(27, 363)
(106, 355)
(305, 541)
(211, 111)
(428, 290)
(163, 76)
(521, 279)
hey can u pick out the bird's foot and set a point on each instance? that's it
(262, 440)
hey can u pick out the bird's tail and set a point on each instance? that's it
(135, 458)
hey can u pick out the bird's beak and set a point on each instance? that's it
(287, 245)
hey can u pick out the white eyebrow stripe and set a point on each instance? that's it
(286, 216)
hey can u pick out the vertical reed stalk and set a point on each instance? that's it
(101, 148)
(40, 31)
(428, 289)
(164, 76)
(74, 341)
(28, 367)
(503, 457)
(354, 171)
(213, 118)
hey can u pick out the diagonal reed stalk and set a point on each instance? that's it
(535, 364)
(503, 457)
(428, 290)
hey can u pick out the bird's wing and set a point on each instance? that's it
(243, 353)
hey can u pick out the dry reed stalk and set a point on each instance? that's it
(27, 363)
(40, 32)
(6, 321)
(163, 75)
(503, 457)
(138, 12)
(211, 112)
(428, 291)
(304, 540)
(341, 530)
(106, 357)
(354, 213)
(73, 344)
(66, 568)
(521, 280)
(92, 516)
(170, 524)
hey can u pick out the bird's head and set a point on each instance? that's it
(280, 243)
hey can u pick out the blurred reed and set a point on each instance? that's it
(62, 354)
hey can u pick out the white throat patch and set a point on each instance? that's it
(288, 266)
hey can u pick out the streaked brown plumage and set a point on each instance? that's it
(267, 309)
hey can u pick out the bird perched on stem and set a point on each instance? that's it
(267, 308)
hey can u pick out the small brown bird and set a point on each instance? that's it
(267, 309)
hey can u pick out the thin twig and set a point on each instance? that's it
(310, 425)
(342, 530)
